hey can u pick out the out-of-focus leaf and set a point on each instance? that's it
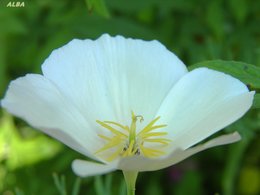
(131, 6)
(76, 186)
(98, 6)
(19, 152)
(10, 23)
(3, 65)
(235, 156)
(18, 191)
(147, 15)
(193, 180)
(60, 183)
(249, 182)
(99, 186)
(122, 188)
(246, 127)
(247, 73)
(239, 8)
(108, 184)
(113, 26)
(154, 188)
(215, 19)
(256, 103)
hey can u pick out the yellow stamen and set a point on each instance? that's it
(115, 154)
(117, 124)
(160, 140)
(104, 137)
(112, 143)
(128, 143)
(113, 130)
(149, 152)
(154, 134)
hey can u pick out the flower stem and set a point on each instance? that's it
(130, 179)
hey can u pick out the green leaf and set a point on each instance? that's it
(18, 191)
(234, 157)
(249, 180)
(98, 6)
(247, 73)
(76, 186)
(215, 19)
(19, 151)
(256, 103)
(60, 183)
(239, 9)
(108, 184)
(99, 185)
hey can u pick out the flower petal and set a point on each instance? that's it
(86, 168)
(139, 163)
(109, 77)
(203, 102)
(36, 100)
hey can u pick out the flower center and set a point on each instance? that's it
(125, 141)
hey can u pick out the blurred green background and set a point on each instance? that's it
(196, 30)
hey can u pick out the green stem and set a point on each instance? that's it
(130, 179)
(232, 167)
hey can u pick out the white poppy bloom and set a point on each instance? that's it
(129, 104)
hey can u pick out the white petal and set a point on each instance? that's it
(109, 77)
(140, 163)
(203, 102)
(36, 100)
(86, 168)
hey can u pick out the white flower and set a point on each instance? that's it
(130, 104)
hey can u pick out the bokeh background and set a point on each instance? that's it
(196, 30)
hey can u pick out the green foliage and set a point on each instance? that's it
(60, 183)
(195, 30)
(193, 180)
(250, 186)
(257, 101)
(22, 152)
(99, 6)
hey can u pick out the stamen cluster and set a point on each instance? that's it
(125, 141)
